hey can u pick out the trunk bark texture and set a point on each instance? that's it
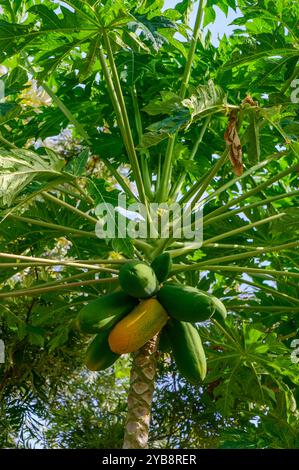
(142, 384)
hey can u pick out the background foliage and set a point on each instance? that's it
(63, 151)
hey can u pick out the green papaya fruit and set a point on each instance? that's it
(138, 279)
(220, 313)
(187, 350)
(162, 266)
(104, 312)
(189, 304)
(99, 355)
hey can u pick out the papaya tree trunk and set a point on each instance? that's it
(142, 385)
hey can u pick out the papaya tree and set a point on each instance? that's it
(117, 101)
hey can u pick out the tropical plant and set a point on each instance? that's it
(104, 99)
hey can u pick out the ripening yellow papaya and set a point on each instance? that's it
(138, 327)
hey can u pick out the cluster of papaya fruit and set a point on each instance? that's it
(127, 319)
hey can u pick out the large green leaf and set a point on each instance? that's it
(205, 101)
(18, 168)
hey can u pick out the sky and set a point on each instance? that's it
(221, 25)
